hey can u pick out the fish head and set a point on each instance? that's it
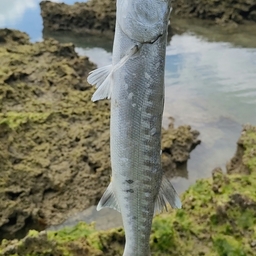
(143, 20)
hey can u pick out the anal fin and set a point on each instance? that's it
(167, 195)
(108, 200)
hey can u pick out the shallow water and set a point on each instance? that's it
(209, 85)
(210, 80)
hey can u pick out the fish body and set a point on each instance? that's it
(135, 84)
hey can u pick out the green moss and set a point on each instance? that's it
(249, 142)
(33, 233)
(163, 237)
(218, 218)
(228, 246)
(15, 119)
(77, 240)
(82, 230)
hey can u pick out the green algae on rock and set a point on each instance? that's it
(244, 160)
(15, 119)
(177, 143)
(50, 134)
(218, 218)
(71, 241)
(81, 239)
(218, 215)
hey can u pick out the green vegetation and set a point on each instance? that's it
(249, 141)
(15, 119)
(218, 218)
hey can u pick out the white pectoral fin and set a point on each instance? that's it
(108, 200)
(102, 78)
(104, 89)
(97, 76)
(167, 195)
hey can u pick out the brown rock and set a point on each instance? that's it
(177, 143)
(13, 36)
(98, 16)
(93, 17)
(244, 160)
(222, 12)
(50, 135)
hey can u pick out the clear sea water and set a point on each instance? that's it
(210, 80)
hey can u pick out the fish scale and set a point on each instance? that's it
(135, 84)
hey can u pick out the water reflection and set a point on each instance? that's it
(103, 220)
(244, 35)
(81, 41)
(96, 55)
(217, 77)
(209, 85)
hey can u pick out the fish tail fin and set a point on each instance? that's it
(108, 200)
(167, 195)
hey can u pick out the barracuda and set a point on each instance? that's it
(135, 84)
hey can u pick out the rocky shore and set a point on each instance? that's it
(218, 218)
(98, 17)
(93, 17)
(54, 142)
(221, 12)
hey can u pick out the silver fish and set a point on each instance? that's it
(135, 84)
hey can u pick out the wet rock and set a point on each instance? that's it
(177, 143)
(222, 12)
(54, 141)
(244, 160)
(218, 218)
(43, 244)
(52, 137)
(98, 17)
(93, 17)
